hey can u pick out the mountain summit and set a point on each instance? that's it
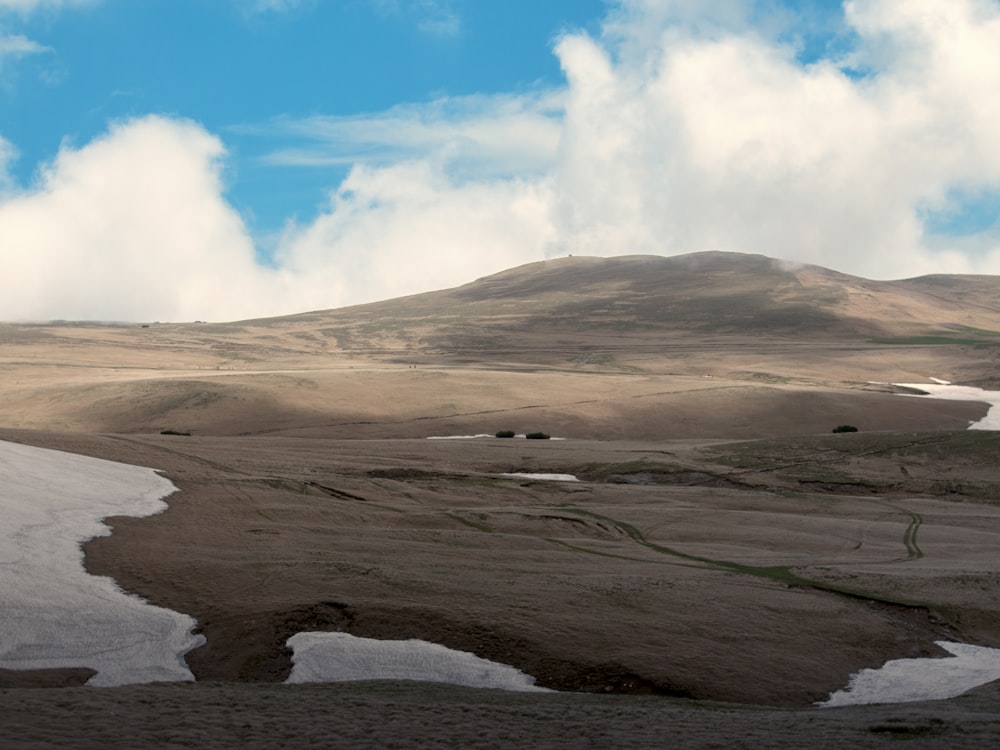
(701, 294)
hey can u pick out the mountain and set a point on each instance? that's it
(723, 543)
(576, 300)
(702, 345)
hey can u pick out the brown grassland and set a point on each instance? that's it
(724, 562)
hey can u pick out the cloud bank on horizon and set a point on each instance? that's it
(678, 128)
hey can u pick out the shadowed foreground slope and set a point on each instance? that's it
(387, 715)
(713, 571)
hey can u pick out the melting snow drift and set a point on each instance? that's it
(944, 390)
(905, 680)
(340, 657)
(54, 613)
(544, 477)
(477, 436)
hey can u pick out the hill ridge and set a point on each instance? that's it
(706, 293)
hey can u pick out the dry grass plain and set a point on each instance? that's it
(724, 561)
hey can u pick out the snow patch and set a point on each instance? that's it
(341, 657)
(480, 435)
(459, 437)
(547, 477)
(940, 389)
(54, 613)
(906, 680)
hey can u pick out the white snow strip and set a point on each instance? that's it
(906, 680)
(481, 435)
(548, 477)
(53, 613)
(458, 437)
(341, 657)
(961, 393)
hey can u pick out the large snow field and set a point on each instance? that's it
(54, 613)
(905, 680)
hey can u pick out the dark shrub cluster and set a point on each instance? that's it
(845, 428)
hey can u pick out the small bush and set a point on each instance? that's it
(505, 434)
(537, 436)
(845, 428)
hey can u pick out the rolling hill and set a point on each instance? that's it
(702, 294)
(721, 544)
(702, 345)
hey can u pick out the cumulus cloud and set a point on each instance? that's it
(407, 228)
(131, 225)
(134, 226)
(690, 126)
(438, 195)
(684, 126)
(722, 140)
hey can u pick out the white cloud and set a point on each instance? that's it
(17, 45)
(130, 226)
(437, 19)
(680, 139)
(7, 156)
(274, 6)
(499, 135)
(409, 228)
(685, 131)
(433, 17)
(134, 226)
(680, 129)
(14, 46)
(28, 6)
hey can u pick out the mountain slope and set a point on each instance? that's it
(704, 345)
(643, 297)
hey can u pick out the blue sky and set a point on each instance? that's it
(180, 159)
(236, 65)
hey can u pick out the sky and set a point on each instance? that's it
(225, 159)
